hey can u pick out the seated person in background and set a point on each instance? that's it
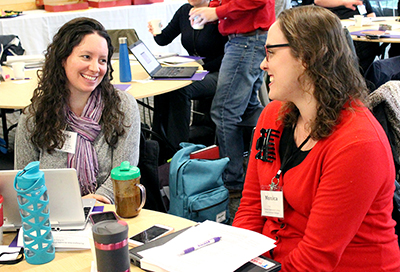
(345, 9)
(394, 49)
(172, 110)
(382, 71)
(75, 97)
(328, 193)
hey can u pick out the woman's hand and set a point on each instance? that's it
(202, 16)
(150, 27)
(99, 198)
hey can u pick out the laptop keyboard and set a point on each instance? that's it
(170, 71)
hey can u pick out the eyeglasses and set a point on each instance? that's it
(267, 47)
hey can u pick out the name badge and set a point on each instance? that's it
(272, 203)
(70, 142)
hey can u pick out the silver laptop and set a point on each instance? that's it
(68, 211)
(154, 68)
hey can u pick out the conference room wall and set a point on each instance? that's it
(45, 24)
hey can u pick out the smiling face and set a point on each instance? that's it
(282, 67)
(86, 66)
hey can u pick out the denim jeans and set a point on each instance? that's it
(239, 80)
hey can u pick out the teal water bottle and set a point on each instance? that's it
(124, 65)
(33, 204)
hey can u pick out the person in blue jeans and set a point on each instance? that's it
(172, 111)
(245, 22)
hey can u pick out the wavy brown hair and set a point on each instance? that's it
(316, 37)
(51, 96)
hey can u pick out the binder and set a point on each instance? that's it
(207, 153)
(247, 267)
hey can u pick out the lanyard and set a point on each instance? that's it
(19, 258)
(285, 161)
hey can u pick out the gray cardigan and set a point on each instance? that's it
(127, 148)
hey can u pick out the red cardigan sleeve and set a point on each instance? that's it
(248, 215)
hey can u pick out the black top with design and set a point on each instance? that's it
(207, 42)
(287, 147)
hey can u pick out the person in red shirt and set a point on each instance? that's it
(320, 179)
(246, 23)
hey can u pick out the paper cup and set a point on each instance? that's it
(197, 25)
(156, 24)
(358, 20)
(19, 70)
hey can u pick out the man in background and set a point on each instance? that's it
(246, 23)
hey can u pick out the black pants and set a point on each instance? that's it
(172, 111)
(366, 53)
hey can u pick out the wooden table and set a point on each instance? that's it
(17, 94)
(69, 261)
(375, 26)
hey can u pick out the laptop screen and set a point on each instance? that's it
(144, 56)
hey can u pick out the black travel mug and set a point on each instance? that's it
(111, 244)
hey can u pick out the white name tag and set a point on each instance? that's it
(70, 142)
(272, 203)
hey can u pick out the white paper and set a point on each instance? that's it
(66, 240)
(236, 247)
(70, 240)
(9, 257)
(160, 55)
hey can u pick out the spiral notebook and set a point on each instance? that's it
(68, 211)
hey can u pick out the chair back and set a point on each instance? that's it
(10, 45)
(385, 104)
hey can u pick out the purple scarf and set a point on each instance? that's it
(87, 127)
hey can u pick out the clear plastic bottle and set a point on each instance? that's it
(124, 65)
(33, 204)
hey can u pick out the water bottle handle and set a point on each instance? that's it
(143, 193)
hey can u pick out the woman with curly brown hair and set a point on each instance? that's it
(320, 179)
(77, 119)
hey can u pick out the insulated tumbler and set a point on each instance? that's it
(111, 245)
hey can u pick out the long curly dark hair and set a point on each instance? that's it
(316, 37)
(51, 96)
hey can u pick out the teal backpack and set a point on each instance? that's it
(196, 189)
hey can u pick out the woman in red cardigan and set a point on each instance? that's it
(320, 179)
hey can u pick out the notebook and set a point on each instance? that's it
(154, 68)
(259, 264)
(68, 211)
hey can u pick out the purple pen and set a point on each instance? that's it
(206, 243)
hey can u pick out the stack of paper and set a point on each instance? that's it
(31, 61)
(236, 247)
